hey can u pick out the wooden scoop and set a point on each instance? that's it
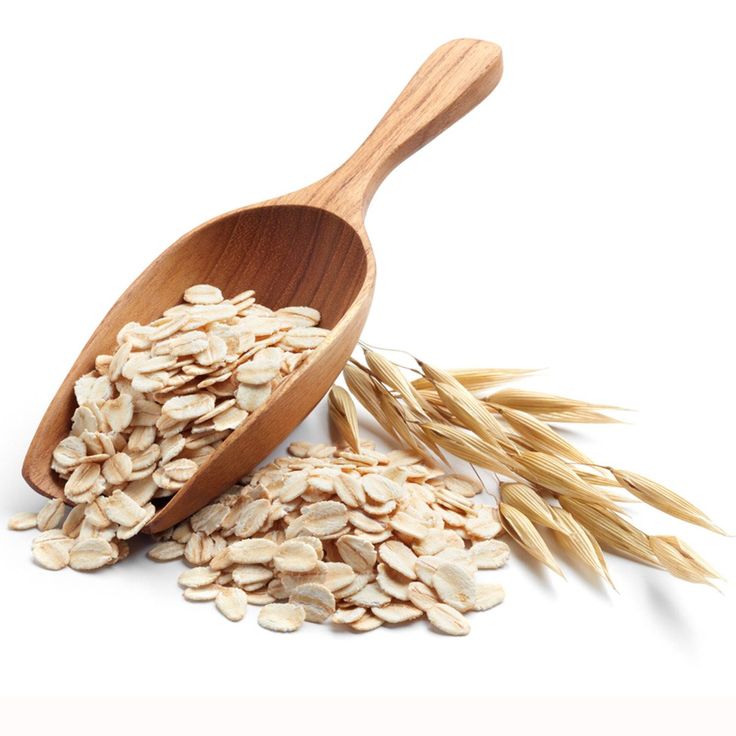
(306, 248)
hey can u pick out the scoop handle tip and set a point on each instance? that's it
(451, 82)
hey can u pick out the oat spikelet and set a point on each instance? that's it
(550, 408)
(435, 408)
(425, 437)
(387, 410)
(541, 435)
(363, 388)
(395, 420)
(469, 410)
(525, 534)
(613, 532)
(552, 473)
(695, 559)
(468, 447)
(343, 415)
(576, 416)
(596, 479)
(677, 562)
(663, 499)
(412, 433)
(479, 379)
(526, 500)
(392, 376)
(577, 540)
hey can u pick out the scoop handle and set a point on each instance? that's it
(453, 80)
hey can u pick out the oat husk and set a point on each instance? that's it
(344, 417)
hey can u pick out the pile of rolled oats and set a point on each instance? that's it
(151, 413)
(326, 534)
(357, 539)
(323, 535)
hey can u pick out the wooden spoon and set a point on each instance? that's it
(306, 248)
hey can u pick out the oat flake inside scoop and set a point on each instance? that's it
(153, 409)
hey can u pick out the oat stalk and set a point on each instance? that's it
(545, 482)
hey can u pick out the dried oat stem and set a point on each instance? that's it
(545, 481)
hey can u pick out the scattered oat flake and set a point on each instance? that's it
(231, 603)
(251, 551)
(295, 556)
(122, 509)
(51, 515)
(426, 567)
(421, 596)
(490, 554)
(408, 526)
(357, 584)
(246, 575)
(82, 479)
(369, 596)
(91, 554)
(197, 577)
(325, 517)
(204, 593)
(455, 586)
(488, 595)
(253, 517)
(379, 488)
(260, 598)
(22, 521)
(392, 583)
(437, 540)
(367, 622)
(72, 525)
(357, 552)
(281, 617)
(483, 528)
(165, 551)
(397, 613)
(339, 575)
(448, 620)
(399, 557)
(209, 519)
(347, 615)
(316, 600)
(53, 554)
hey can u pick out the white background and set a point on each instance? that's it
(581, 220)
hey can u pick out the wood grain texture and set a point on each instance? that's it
(453, 80)
(309, 247)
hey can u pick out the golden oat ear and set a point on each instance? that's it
(544, 480)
